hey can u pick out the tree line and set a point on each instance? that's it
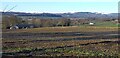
(11, 20)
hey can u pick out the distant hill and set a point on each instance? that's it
(113, 15)
(66, 15)
(31, 14)
(89, 15)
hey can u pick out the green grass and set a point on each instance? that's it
(103, 24)
(108, 24)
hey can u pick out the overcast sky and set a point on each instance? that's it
(62, 7)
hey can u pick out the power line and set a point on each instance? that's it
(11, 8)
(5, 8)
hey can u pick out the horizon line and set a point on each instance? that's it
(62, 12)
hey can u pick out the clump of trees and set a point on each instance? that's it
(50, 22)
(10, 20)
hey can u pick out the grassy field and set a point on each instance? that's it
(65, 29)
(62, 41)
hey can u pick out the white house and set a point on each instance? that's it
(91, 23)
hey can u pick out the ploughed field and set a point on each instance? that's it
(62, 41)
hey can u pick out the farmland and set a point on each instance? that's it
(62, 41)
